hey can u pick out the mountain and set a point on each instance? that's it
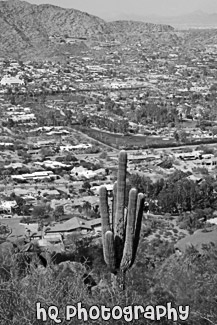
(196, 19)
(27, 28)
(133, 27)
(41, 31)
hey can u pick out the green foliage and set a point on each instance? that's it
(70, 158)
(103, 155)
(58, 212)
(159, 276)
(4, 230)
(42, 211)
(176, 194)
(191, 278)
(206, 149)
(86, 186)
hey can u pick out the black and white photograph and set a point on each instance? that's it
(108, 162)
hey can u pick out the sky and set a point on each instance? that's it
(104, 8)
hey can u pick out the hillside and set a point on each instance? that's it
(196, 19)
(47, 30)
(129, 26)
(27, 28)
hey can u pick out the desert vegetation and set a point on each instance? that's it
(91, 270)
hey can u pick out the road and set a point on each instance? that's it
(115, 152)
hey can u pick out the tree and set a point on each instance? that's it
(103, 155)
(41, 211)
(183, 136)
(45, 152)
(176, 136)
(58, 212)
(10, 123)
(86, 186)
(71, 189)
(13, 99)
(87, 206)
(70, 158)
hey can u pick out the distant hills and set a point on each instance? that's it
(196, 19)
(26, 28)
(29, 30)
(130, 26)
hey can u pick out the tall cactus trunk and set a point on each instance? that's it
(118, 281)
(114, 205)
(119, 230)
(130, 228)
(120, 234)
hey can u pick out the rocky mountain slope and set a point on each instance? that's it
(129, 26)
(29, 29)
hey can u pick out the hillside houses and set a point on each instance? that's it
(76, 147)
(35, 176)
(83, 173)
(11, 81)
(20, 115)
(75, 226)
(177, 88)
(51, 164)
(129, 95)
(6, 206)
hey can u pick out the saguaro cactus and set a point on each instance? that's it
(121, 231)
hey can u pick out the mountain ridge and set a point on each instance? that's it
(35, 28)
(195, 18)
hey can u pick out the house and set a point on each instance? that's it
(73, 225)
(71, 148)
(23, 118)
(11, 81)
(6, 145)
(96, 225)
(52, 164)
(189, 155)
(81, 172)
(78, 202)
(195, 179)
(96, 189)
(6, 206)
(51, 194)
(209, 162)
(43, 175)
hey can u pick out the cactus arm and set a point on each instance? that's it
(121, 184)
(109, 251)
(138, 224)
(130, 229)
(114, 205)
(119, 230)
(104, 211)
